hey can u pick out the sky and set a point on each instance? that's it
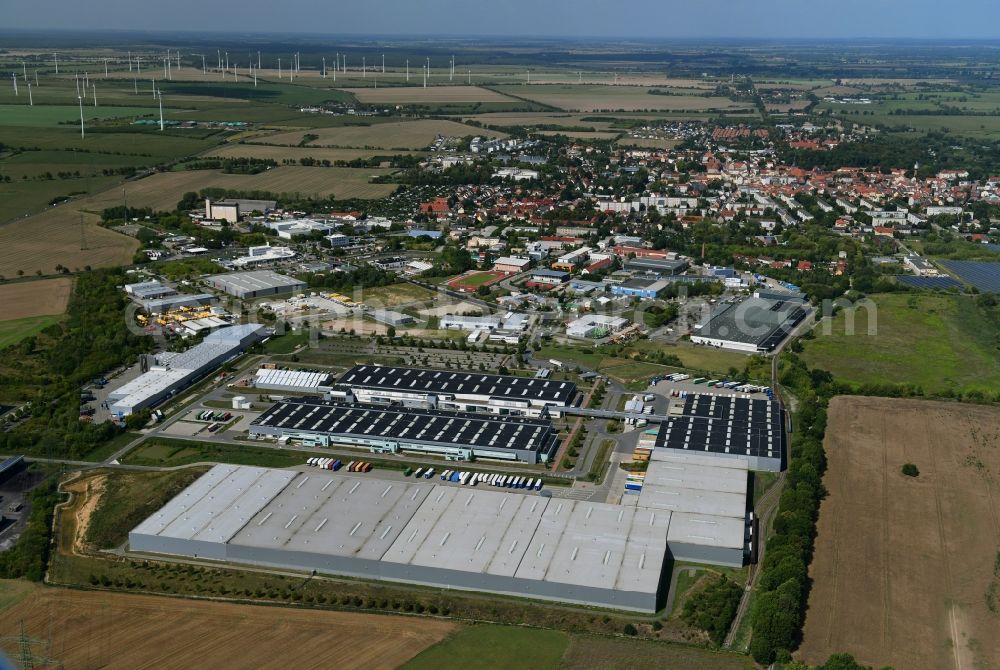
(954, 19)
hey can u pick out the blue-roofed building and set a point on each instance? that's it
(546, 279)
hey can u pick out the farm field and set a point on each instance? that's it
(579, 135)
(590, 98)
(403, 135)
(408, 95)
(928, 545)
(42, 241)
(46, 297)
(55, 115)
(487, 647)
(294, 153)
(647, 142)
(163, 190)
(939, 342)
(528, 119)
(481, 647)
(114, 630)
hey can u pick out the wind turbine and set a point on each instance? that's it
(13, 78)
(105, 68)
(94, 90)
(138, 65)
(129, 61)
(258, 60)
(279, 68)
(324, 67)
(31, 100)
(407, 70)
(160, 96)
(203, 69)
(24, 69)
(56, 56)
(79, 99)
(364, 68)
(383, 63)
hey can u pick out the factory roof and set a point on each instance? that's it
(706, 530)
(259, 280)
(725, 425)
(160, 305)
(508, 534)
(696, 488)
(316, 415)
(266, 377)
(761, 321)
(418, 380)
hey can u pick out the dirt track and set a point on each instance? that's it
(109, 630)
(903, 565)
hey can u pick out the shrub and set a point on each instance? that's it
(630, 629)
(910, 470)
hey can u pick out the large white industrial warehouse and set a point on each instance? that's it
(442, 535)
(172, 372)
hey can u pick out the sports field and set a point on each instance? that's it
(84, 629)
(473, 280)
(403, 135)
(590, 98)
(45, 297)
(906, 569)
(410, 95)
(939, 342)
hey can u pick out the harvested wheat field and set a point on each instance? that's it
(163, 190)
(592, 98)
(402, 135)
(418, 95)
(294, 153)
(115, 630)
(906, 569)
(44, 297)
(53, 237)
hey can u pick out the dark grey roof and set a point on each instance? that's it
(315, 415)
(751, 427)
(465, 383)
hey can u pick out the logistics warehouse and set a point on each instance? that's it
(391, 429)
(435, 534)
(460, 391)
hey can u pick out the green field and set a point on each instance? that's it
(494, 647)
(485, 647)
(54, 115)
(15, 330)
(477, 279)
(939, 342)
(159, 451)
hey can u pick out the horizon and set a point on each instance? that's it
(773, 19)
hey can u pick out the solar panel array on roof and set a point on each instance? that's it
(726, 425)
(459, 383)
(315, 415)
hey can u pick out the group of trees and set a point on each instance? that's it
(366, 276)
(713, 608)
(49, 368)
(783, 585)
(29, 557)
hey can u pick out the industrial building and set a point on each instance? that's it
(461, 391)
(300, 381)
(756, 324)
(472, 323)
(231, 210)
(657, 266)
(392, 318)
(727, 427)
(172, 372)
(164, 305)
(391, 429)
(595, 326)
(148, 290)
(420, 533)
(262, 255)
(640, 288)
(707, 499)
(256, 284)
